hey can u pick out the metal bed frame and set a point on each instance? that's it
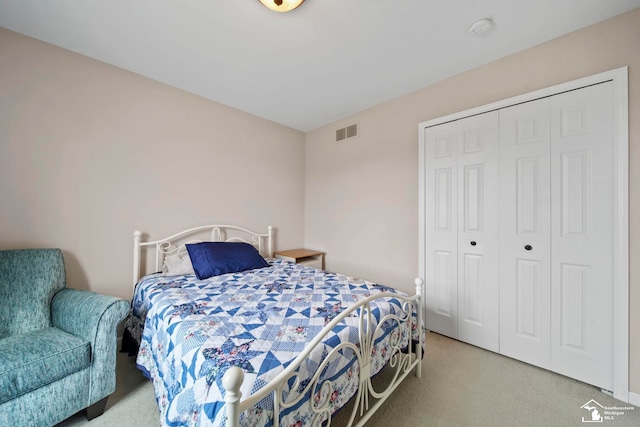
(402, 360)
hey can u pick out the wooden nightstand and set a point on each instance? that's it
(307, 257)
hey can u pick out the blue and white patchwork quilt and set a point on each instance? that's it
(191, 331)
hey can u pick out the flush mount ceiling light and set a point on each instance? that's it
(480, 26)
(282, 5)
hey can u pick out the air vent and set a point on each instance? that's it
(347, 132)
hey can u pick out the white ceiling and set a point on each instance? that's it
(319, 63)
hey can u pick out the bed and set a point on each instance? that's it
(282, 344)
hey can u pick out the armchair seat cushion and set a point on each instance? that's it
(34, 359)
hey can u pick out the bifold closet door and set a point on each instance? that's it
(556, 263)
(582, 234)
(525, 299)
(462, 226)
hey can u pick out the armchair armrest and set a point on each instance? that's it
(93, 317)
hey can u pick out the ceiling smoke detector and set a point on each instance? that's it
(480, 26)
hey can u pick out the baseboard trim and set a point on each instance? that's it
(634, 398)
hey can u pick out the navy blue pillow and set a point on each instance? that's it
(215, 258)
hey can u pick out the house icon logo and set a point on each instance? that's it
(595, 412)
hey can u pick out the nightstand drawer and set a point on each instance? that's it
(312, 262)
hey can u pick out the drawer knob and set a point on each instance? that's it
(528, 247)
(473, 243)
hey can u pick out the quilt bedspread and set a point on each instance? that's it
(192, 331)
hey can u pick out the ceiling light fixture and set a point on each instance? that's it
(282, 5)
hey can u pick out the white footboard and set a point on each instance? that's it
(402, 362)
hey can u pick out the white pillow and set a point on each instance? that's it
(177, 265)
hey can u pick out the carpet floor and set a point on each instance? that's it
(461, 385)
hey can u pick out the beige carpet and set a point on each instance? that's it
(461, 385)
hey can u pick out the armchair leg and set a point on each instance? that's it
(96, 409)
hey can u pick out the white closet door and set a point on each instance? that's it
(462, 244)
(581, 230)
(479, 231)
(441, 278)
(525, 233)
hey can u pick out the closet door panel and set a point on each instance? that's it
(582, 243)
(478, 234)
(525, 232)
(441, 281)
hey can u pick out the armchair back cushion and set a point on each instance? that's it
(29, 278)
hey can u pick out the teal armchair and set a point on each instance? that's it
(57, 345)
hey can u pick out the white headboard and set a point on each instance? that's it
(263, 242)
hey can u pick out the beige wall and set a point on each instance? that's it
(89, 153)
(362, 195)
